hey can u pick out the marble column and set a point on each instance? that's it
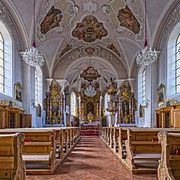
(28, 79)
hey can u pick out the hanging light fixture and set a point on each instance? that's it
(146, 56)
(32, 56)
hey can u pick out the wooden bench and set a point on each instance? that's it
(143, 150)
(11, 163)
(122, 137)
(45, 148)
(105, 135)
(169, 165)
(39, 149)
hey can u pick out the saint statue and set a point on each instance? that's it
(90, 117)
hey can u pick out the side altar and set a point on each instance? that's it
(54, 105)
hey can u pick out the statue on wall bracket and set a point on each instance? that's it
(161, 93)
(18, 91)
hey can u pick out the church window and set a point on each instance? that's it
(38, 86)
(173, 63)
(5, 61)
(106, 100)
(73, 104)
(177, 64)
(142, 86)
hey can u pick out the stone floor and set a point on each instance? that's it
(91, 159)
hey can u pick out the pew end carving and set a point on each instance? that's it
(169, 165)
(11, 163)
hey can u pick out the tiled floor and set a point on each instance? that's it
(91, 159)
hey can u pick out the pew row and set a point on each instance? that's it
(143, 150)
(137, 148)
(169, 165)
(115, 138)
(11, 163)
(45, 148)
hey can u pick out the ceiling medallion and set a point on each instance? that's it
(89, 29)
(90, 74)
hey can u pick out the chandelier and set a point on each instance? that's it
(32, 56)
(146, 56)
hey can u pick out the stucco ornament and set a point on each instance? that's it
(90, 6)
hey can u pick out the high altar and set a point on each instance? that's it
(89, 109)
(53, 104)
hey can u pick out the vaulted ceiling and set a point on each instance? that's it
(71, 32)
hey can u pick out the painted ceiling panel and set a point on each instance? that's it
(72, 29)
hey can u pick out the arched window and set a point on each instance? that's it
(106, 100)
(177, 63)
(38, 86)
(143, 96)
(173, 63)
(73, 104)
(5, 61)
(2, 64)
(142, 86)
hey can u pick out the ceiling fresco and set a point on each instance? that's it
(89, 29)
(51, 20)
(67, 30)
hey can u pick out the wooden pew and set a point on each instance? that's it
(103, 133)
(169, 165)
(45, 148)
(121, 142)
(143, 150)
(11, 163)
(39, 149)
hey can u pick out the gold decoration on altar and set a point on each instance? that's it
(89, 105)
(113, 103)
(127, 104)
(53, 104)
(112, 88)
(90, 117)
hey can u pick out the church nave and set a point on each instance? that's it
(91, 159)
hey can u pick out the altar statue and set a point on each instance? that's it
(90, 117)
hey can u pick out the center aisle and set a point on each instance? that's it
(91, 159)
